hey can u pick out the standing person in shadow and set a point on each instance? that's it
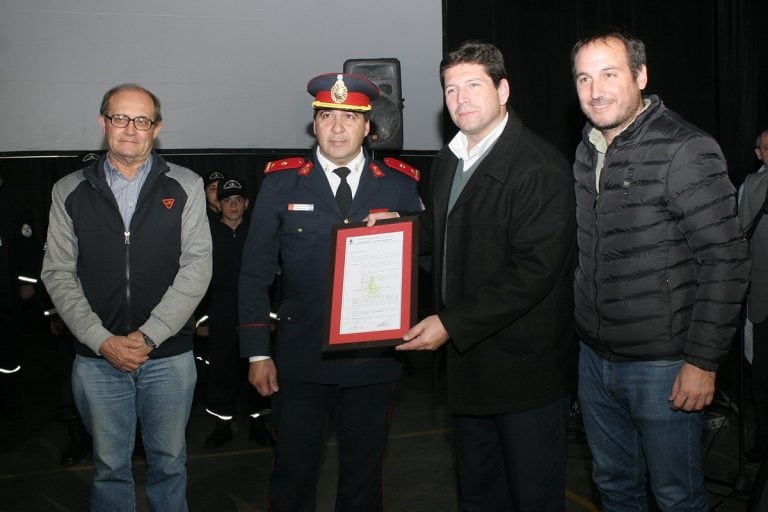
(752, 202)
(225, 370)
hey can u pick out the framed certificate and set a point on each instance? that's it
(373, 284)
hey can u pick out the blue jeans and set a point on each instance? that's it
(159, 394)
(633, 433)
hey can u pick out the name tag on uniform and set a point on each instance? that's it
(301, 207)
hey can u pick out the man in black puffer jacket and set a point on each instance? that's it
(662, 272)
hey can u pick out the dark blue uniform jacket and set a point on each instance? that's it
(292, 220)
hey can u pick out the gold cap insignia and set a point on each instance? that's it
(339, 90)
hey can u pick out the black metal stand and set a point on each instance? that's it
(740, 483)
(758, 499)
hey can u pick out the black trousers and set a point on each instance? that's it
(301, 414)
(514, 461)
(10, 344)
(224, 370)
(65, 356)
(760, 382)
(758, 498)
(227, 372)
(10, 361)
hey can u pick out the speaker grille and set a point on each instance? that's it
(386, 112)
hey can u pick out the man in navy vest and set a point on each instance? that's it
(128, 259)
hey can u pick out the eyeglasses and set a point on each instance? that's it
(121, 121)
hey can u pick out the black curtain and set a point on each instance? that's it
(32, 175)
(706, 60)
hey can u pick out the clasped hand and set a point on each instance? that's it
(126, 353)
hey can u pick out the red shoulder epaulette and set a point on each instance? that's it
(283, 165)
(403, 167)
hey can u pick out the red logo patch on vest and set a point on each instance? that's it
(168, 203)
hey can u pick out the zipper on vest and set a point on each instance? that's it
(595, 255)
(127, 245)
(599, 187)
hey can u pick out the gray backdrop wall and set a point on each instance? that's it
(230, 73)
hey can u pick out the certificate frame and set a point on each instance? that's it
(338, 335)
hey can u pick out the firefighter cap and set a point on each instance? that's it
(342, 91)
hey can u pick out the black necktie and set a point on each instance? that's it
(344, 192)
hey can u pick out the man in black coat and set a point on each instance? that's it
(293, 217)
(500, 218)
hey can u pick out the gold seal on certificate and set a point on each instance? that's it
(373, 284)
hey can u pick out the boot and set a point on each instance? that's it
(260, 429)
(78, 443)
(221, 433)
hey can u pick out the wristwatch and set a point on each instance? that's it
(148, 342)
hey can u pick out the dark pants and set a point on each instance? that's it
(10, 362)
(758, 498)
(513, 461)
(301, 413)
(760, 382)
(224, 370)
(65, 356)
(227, 372)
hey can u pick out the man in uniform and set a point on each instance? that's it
(200, 338)
(293, 216)
(225, 371)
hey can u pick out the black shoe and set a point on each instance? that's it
(77, 445)
(221, 433)
(260, 429)
(756, 454)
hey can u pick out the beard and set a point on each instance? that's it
(626, 114)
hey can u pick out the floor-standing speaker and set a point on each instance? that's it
(387, 112)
